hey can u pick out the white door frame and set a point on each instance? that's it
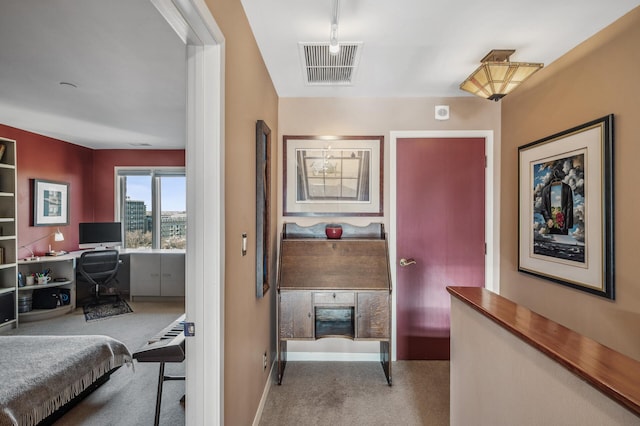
(492, 211)
(192, 21)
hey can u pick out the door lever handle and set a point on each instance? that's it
(406, 262)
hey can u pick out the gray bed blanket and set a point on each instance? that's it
(39, 374)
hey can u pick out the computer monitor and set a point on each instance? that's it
(99, 235)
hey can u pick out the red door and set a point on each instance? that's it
(440, 225)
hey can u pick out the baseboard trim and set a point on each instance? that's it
(332, 356)
(156, 298)
(265, 394)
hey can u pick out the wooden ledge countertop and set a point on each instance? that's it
(614, 374)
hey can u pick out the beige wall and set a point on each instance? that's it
(548, 105)
(514, 383)
(597, 78)
(378, 116)
(249, 96)
(371, 116)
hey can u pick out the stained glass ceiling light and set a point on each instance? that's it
(497, 77)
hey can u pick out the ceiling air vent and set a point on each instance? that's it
(321, 68)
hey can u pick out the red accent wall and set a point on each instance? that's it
(104, 162)
(41, 157)
(90, 174)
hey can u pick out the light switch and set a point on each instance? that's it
(244, 243)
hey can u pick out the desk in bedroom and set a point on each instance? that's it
(143, 274)
(63, 273)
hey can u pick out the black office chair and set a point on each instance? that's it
(100, 268)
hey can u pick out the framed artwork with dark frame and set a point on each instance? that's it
(566, 208)
(333, 175)
(50, 203)
(263, 208)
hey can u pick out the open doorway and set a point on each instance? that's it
(204, 305)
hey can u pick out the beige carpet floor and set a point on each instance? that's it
(356, 393)
(128, 398)
(312, 393)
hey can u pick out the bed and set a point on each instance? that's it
(39, 375)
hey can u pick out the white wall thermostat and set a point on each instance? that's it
(442, 112)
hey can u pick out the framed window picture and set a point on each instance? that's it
(333, 175)
(50, 203)
(566, 207)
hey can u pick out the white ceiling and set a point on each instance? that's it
(421, 48)
(129, 66)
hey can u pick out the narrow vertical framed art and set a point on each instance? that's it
(566, 208)
(263, 208)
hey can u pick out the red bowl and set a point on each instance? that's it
(333, 232)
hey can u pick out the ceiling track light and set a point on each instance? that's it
(497, 77)
(334, 47)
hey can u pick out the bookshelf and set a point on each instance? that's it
(8, 235)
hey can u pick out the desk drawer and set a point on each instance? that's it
(334, 298)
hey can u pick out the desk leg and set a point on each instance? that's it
(385, 359)
(156, 422)
(161, 380)
(282, 359)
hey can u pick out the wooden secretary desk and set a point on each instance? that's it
(334, 288)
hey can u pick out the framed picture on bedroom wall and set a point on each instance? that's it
(566, 208)
(50, 203)
(333, 175)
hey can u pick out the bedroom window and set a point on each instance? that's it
(151, 204)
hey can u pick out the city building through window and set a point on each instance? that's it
(151, 204)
